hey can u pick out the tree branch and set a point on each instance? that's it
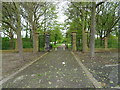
(100, 3)
(110, 29)
(9, 25)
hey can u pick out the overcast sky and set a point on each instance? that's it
(61, 9)
(62, 6)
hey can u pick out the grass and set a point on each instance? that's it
(57, 45)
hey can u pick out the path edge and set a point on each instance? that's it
(89, 75)
(21, 69)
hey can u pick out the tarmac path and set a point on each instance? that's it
(58, 69)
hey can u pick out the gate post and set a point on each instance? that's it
(47, 42)
(74, 41)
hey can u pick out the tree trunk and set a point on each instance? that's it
(88, 40)
(30, 34)
(35, 39)
(55, 40)
(92, 33)
(78, 42)
(39, 43)
(74, 41)
(19, 39)
(26, 36)
(84, 41)
(84, 37)
(101, 39)
(11, 39)
(16, 45)
(106, 42)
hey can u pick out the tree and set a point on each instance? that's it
(107, 20)
(79, 21)
(37, 14)
(32, 11)
(92, 33)
(10, 33)
(56, 34)
(12, 19)
(19, 39)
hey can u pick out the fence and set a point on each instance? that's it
(7, 44)
(112, 43)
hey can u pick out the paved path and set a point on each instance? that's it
(58, 69)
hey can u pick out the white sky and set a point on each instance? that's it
(61, 9)
(62, 6)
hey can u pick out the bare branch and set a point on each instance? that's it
(100, 3)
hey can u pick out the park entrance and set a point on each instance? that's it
(70, 42)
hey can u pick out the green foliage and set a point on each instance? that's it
(45, 20)
(113, 37)
(107, 18)
(106, 22)
(27, 43)
(79, 42)
(41, 42)
(56, 34)
(112, 43)
(6, 43)
(97, 44)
